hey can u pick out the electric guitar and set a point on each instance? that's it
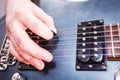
(93, 47)
(82, 50)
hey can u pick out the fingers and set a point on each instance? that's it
(27, 59)
(24, 45)
(40, 28)
(39, 64)
(24, 49)
(34, 62)
(16, 55)
(46, 19)
(37, 26)
(38, 22)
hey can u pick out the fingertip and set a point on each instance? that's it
(50, 58)
(50, 23)
(42, 65)
(54, 30)
(38, 64)
(46, 55)
(49, 35)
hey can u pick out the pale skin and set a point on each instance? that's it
(22, 15)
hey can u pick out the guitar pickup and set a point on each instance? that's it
(91, 53)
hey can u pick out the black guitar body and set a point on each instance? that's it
(66, 16)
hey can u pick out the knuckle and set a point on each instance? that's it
(30, 59)
(20, 43)
(18, 13)
(21, 14)
(35, 25)
(20, 59)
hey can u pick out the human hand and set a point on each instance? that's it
(21, 15)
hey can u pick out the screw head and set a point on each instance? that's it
(77, 67)
(103, 67)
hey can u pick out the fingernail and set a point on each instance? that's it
(39, 65)
(54, 33)
(54, 29)
(49, 57)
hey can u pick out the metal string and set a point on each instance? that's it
(81, 27)
(76, 44)
(80, 43)
(77, 38)
(76, 34)
(103, 48)
(81, 33)
(67, 56)
(87, 27)
(64, 29)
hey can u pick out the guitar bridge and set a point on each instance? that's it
(6, 59)
(91, 53)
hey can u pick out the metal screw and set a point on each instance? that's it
(103, 67)
(79, 24)
(101, 21)
(78, 67)
(89, 22)
(90, 66)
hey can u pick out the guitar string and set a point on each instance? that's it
(85, 42)
(37, 37)
(85, 54)
(64, 55)
(70, 49)
(74, 38)
(79, 55)
(79, 28)
(98, 32)
(75, 28)
(51, 45)
(68, 56)
(84, 26)
(103, 48)
(87, 27)
(93, 32)
(78, 43)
